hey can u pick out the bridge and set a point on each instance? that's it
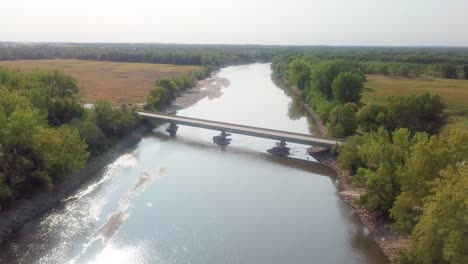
(226, 128)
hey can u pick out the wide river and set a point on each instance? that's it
(187, 200)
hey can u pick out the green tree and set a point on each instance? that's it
(441, 235)
(157, 97)
(371, 117)
(324, 73)
(170, 87)
(299, 73)
(114, 122)
(342, 120)
(418, 113)
(64, 110)
(428, 157)
(347, 87)
(465, 72)
(382, 153)
(449, 71)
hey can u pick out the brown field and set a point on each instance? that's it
(119, 82)
(453, 92)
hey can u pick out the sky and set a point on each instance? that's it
(276, 22)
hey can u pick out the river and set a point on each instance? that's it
(187, 200)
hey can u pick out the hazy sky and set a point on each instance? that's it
(311, 22)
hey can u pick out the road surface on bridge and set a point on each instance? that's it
(243, 130)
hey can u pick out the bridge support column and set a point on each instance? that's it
(279, 149)
(172, 129)
(222, 139)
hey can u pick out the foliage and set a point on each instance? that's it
(449, 71)
(93, 136)
(382, 153)
(342, 120)
(418, 113)
(323, 75)
(299, 73)
(347, 87)
(428, 157)
(441, 234)
(165, 90)
(45, 133)
(114, 122)
(371, 117)
(349, 157)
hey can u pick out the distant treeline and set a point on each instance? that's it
(213, 56)
(402, 61)
(446, 65)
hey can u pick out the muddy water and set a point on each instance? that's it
(186, 200)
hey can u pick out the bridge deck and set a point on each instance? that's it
(244, 130)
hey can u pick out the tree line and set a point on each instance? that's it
(411, 175)
(46, 134)
(213, 56)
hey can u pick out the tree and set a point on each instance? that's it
(449, 71)
(382, 153)
(64, 110)
(324, 73)
(465, 72)
(371, 117)
(441, 235)
(157, 97)
(347, 87)
(419, 113)
(114, 122)
(170, 87)
(299, 73)
(428, 157)
(349, 157)
(342, 120)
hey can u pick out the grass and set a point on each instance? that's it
(119, 82)
(454, 94)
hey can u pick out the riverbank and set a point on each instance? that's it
(35, 205)
(389, 242)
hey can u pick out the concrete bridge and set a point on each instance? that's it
(226, 128)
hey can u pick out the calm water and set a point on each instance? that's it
(187, 200)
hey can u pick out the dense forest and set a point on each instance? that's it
(405, 61)
(412, 176)
(212, 56)
(45, 132)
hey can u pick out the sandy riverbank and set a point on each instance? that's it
(208, 88)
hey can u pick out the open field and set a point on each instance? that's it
(453, 92)
(119, 82)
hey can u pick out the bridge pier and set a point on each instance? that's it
(222, 139)
(279, 149)
(172, 129)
